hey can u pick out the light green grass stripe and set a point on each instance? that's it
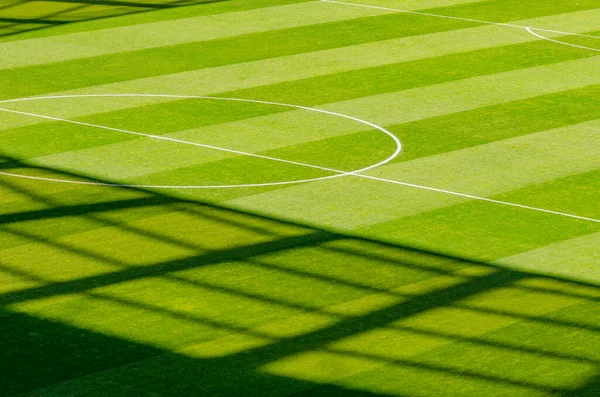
(168, 33)
(576, 258)
(567, 22)
(498, 167)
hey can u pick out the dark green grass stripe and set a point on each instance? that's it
(491, 232)
(412, 74)
(511, 10)
(480, 230)
(480, 126)
(576, 194)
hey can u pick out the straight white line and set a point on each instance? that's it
(343, 173)
(561, 42)
(470, 196)
(510, 25)
(164, 138)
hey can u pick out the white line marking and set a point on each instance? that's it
(338, 172)
(398, 144)
(561, 42)
(510, 25)
(470, 196)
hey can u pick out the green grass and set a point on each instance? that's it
(346, 286)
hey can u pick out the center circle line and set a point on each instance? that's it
(339, 173)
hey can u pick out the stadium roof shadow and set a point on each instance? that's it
(19, 16)
(46, 354)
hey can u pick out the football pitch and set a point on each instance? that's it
(300, 198)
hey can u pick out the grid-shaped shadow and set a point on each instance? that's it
(18, 16)
(125, 292)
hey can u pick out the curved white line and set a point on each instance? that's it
(530, 30)
(337, 173)
(340, 173)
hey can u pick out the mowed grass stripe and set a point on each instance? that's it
(492, 10)
(176, 32)
(157, 119)
(492, 123)
(512, 10)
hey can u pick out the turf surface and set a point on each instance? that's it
(343, 286)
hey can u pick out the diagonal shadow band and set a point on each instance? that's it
(246, 364)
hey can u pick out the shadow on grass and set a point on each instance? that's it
(244, 304)
(19, 16)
